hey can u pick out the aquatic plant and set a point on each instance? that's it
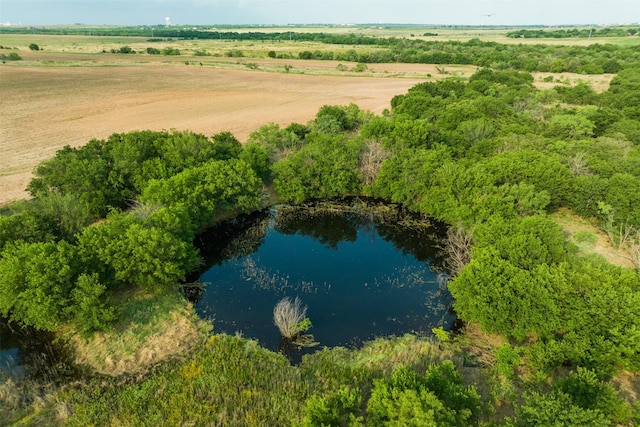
(289, 316)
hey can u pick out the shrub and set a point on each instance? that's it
(557, 409)
(360, 67)
(11, 57)
(170, 51)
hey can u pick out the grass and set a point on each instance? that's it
(224, 380)
(288, 315)
(230, 381)
(589, 239)
(153, 329)
(227, 381)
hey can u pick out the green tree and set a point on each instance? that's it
(503, 298)
(278, 143)
(87, 309)
(557, 410)
(36, 281)
(126, 252)
(25, 223)
(569, 126)
(326, 167)
(542, 170)
(214, 187)
(84, 172)
(257, 158)
(407, 176)
(622, 196)
(525, 242)
(225, 146)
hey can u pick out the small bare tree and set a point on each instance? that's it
(288, 316)
(619, 233)
(578, 164)
(632, 249)
(458, 248)
(371, 161)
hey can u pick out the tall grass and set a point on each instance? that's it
(228, 381)
(225, 381)
(288, 316)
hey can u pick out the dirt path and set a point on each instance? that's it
(45, 108)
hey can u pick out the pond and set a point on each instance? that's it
(364, 269)
(27, 352)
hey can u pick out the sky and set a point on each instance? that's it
(212, 12)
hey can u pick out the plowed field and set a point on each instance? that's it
(44, 108)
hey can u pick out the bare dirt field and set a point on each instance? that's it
(44, 108)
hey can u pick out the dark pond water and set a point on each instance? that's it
(363, 269)
(26, 352)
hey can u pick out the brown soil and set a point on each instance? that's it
(47, 107)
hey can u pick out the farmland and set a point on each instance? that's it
(74, 90)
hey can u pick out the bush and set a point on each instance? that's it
(556, 409)
(234, 53)
(437, 398)
(170, 51)
(333, 409)
(11, 57)
(360, 67)
(588, 392)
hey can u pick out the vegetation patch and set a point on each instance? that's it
(153, 330)
(590, 239)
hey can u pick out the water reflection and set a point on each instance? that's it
(365, 269)
(27, 352)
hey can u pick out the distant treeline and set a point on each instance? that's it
(592, 59)
(574, 32)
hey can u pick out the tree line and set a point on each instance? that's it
(592, 59)
(584, 32)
